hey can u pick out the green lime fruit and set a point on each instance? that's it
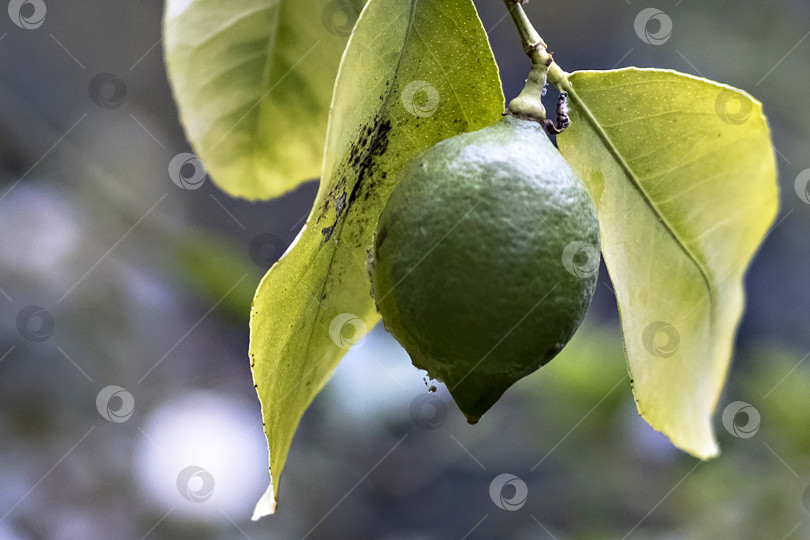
(485, 259)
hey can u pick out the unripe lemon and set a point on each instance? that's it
(469, 266)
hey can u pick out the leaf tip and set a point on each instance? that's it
(702, 445)
(706, 451)
(266, 505)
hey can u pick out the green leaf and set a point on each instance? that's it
(414, 73)
(684, 178)
(253, 81)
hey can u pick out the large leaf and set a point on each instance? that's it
(414, 73)
(253, 82)
(684, 178)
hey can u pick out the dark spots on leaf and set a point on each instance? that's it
(327, 231)
(336, 197)
(340, 205)
(358, 176)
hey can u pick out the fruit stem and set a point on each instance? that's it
(528, 104)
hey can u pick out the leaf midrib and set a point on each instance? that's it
(338, 232)
(594, 123)
(345, 215)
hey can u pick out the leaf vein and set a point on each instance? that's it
(591, 119)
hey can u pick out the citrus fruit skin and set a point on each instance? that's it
(467, 265)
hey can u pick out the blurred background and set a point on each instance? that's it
(127, 408)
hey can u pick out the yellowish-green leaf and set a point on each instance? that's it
(253, 82)
(684, 178)
(414, 73)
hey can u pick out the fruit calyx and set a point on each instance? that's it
(528, 104)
